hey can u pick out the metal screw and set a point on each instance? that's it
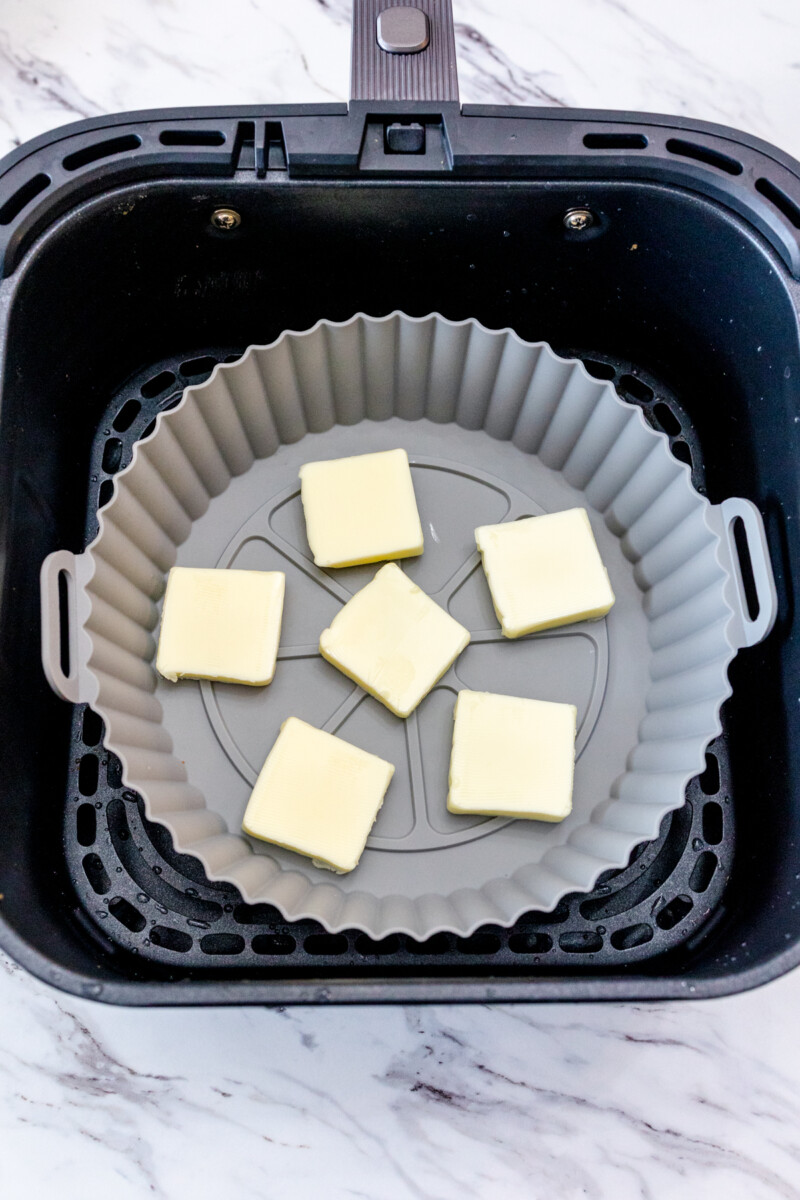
(577, 219)
(225, 219)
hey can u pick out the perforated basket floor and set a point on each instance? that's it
(137, 896)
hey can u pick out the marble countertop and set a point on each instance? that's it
(550, 1102)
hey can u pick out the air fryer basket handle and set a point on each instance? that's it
(427, 74)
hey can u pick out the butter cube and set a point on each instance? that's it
(220, 624)
(544, 571)
(317, 795)
(393, 640)
(512, 757)
(361, 509)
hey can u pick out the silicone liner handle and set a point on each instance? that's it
(754, 629)
(64, 682)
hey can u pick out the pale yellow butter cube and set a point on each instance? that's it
(360, 509)
(512, 757)
(317, 795)
(220, 624)
(393, 640)
(544, 571)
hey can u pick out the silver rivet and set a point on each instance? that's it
(577, 219)
(225, 219)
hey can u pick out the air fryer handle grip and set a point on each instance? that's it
(426, 74)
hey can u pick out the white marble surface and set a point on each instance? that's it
(551, 1103)
(733, 61)
(526, 1102)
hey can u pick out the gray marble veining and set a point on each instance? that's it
(443, 1103)
(736, 64)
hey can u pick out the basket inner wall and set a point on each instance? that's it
(130, 280)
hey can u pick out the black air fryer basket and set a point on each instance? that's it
(139, 250)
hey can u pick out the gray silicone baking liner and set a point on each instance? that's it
(496, 429)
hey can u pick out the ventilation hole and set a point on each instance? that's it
(479, 943)
(86, 824)
(530, 942)
(23, 196)
(127, 915)
(114, 772)
(91, 728)
(198, 366)
(704, 154)
(170, 939)
(775, 195)
(599, 370)
(703, 871)
(127, 415)
(273, 943)
(581, 941)
(615, 141)
(256, 914)
(712, 823)
(90, 154)
(438, 944)
(709, 780)
(325, 943)
(746, 568)
(105, 493)
(632, 386)
(222, 943)
(682, 452)
(673, 913)
(368, 946)
(149, 429)
(96, 874)
(634, 935)
(192, 137)
(158, 384)
(63, 622)
(112, 456)
(88, 771)
(667, 419)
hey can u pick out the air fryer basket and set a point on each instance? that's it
(119, 289)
